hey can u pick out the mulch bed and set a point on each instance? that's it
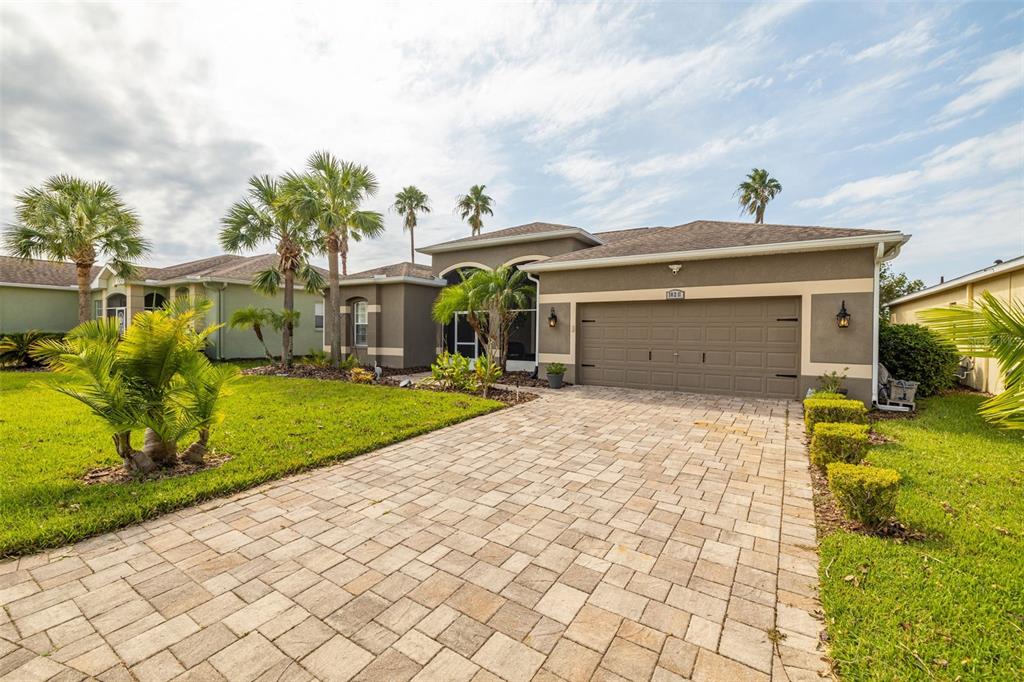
(117, 474)
(526, 379)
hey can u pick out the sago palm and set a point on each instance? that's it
(410, 201)
(992, 328)
(261, 217)
(756, 191)
(329, 195)
(69, 219)
(491, 300)
(473, 206)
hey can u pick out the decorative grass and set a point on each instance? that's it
(951, 606)
(273, 427)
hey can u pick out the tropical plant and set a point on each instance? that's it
(317, 358)
(69, 219)
(16, 349)
(491, 300)
(410, 201)
(349, 363)
(154, 376)
(251, 317)
(264, 216)
(992, 328)
(914, 353)
(473, 206)
(486, 373)
(451, 372)
(756, 191)
(328, 196)
(832, 382)
(360, 375)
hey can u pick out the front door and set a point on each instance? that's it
(466, 343)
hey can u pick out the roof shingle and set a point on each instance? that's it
(39, 272)
(404, 269)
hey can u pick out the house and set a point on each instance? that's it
(1004, 279)
(43, 295)
(707, 306)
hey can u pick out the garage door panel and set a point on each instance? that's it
(723, 346)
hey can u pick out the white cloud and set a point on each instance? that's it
(1002, 75)
(908, 43)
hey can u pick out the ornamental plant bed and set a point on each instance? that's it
(526, 379)
(118, 474)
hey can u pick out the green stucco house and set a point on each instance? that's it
(42, 295)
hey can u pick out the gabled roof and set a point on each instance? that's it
(410, 273)
(511, 235)
(225, 267)
(40, 273)
(712, 239)
(984, 273)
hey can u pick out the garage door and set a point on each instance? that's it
(747, 346)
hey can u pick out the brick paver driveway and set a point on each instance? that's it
(591, 534)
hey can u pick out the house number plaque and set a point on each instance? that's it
(675, 295)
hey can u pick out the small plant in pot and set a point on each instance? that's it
(556, 371)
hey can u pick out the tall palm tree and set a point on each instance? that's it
(473, 206)
(410, 201)
(81, 221)
(264, 216)
(329, 195)
(756, 191)
(992, 328)
(491, 299)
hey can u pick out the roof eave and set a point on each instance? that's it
(462, 245)
(55, 287)
(403, 279)
(724, 252)
(992, 271)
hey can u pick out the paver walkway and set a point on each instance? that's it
(590, 534)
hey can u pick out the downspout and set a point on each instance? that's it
(536, 324)
(879, 257)
(220, 320)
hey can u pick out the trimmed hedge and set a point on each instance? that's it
(915, 353)
(866, 494)
(817, 410)
(839, 443)
(826, 395)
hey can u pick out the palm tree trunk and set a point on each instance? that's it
(83, 272)
(759, 219)
(135, 462)
(195, 452)
(344, 252)
(289, 305)
(334, 302)
(412, 245)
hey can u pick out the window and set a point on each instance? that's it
(360, 322)
(318, 316)
(116, 301)
(97, 309)
(153, 301)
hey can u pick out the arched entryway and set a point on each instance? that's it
(117, 308)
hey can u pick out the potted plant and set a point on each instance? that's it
(555, 371)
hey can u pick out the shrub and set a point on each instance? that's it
(818, 410)
(358, 375)
(451, 372)
(486, 374)
(831, 382)
(318, 358)
(827, 395)
(915, 353)
(349, 363)
(866, 494)
(16, 349)
(838, 443)
(556, 368)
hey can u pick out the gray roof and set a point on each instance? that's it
(39, 272)
(404, 269)
(704, 234)
(225, 266)
(516, 231)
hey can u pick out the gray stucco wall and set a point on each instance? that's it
(420, 332)
(829, 343)
(47, 310)
(242, 343)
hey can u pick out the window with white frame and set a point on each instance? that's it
(360, 323)
(318, 316)
(97, 309)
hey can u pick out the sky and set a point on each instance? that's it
(604, 116)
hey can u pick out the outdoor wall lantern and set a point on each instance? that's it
(843, 317)
(552, 318)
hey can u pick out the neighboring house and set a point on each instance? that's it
(38, 298)
(38, 294)
(708, 306)
(1004, 279)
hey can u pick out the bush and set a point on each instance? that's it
(866, 494)
(486, 374)
(838, 443)
(318, 358)
(451, 372)
(556, 368)
(349, 363)
(834, 410)
(915, 353)
(16, 349)
(358, 375)
(827, 395)
(831, 382)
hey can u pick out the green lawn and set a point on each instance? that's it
(952, 606)
(274, 426)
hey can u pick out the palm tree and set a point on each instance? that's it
(756, 191)
(251, 317)
(328, 195)
(991, 329)
(263, 216)
(491, 300)
(473, 206)
(70, 219)
(408, 203)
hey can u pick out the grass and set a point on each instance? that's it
(274, 427)
(951, 606)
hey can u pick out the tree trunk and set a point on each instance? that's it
(344, 252)
(759, 219)
(289, 305)
(135, 462)
(83, 271)
(195, 453)
(412, 246)
(162, 453)
(259, 335)
(334, 303)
